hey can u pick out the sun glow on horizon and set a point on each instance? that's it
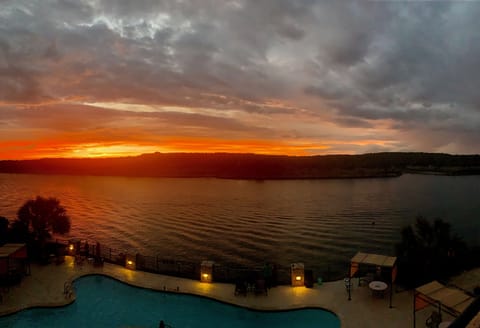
(40, 150)
(194, 145)
(106, 151)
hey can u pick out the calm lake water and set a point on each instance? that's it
(319, 222)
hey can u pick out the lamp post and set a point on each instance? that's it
(297, 271)
(130, 262)
(206, 271)
(71, 249)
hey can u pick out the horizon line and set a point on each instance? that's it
(230, 153)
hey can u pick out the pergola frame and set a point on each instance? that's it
(13, 254)
(450, 300)
(375, 260)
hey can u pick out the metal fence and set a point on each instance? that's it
(178, 268)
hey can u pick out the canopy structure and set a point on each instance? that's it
(13, 259)
(376, 260)
(13, 250)
(451, 300)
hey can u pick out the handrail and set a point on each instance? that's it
(179, 268)
(68, 290)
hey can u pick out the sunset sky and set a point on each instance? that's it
(86, 78)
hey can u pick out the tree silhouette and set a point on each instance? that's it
(428, 251)
(18, 232)
(42, 217)
(3, 230)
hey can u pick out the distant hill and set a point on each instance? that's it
(251, 166)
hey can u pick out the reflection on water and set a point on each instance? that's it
(319, 222)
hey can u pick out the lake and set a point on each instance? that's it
(322, 223)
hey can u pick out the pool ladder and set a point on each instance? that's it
(68, 290)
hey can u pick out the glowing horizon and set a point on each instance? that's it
(177, 146)
(95, 79)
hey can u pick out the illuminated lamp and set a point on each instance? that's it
(206, 271)
(297, 274)
(130, 262)
(71, 249)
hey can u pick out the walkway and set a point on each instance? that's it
(45, 287)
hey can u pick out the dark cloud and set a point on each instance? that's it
(352, 122)
(411, 66)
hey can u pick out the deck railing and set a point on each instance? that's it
(178, 268)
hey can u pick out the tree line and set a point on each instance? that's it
(253, 166)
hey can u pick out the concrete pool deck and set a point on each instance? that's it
(45, 287)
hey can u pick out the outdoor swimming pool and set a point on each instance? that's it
(105, 302)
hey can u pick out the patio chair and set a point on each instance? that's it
(241, 288)
(260, 287)
(98, 261)
(434, 320)
(79, 259)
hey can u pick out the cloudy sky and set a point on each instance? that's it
(299, 77)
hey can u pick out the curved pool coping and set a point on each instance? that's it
(44, 288)
(73, 299)
(137, 284)
(205, 297)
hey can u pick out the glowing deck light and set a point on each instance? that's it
(297, 274)
(130, 262)
(206, 271)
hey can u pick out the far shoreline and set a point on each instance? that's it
(252, 166)
(258, 179)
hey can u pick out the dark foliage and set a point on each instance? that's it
(251, 166)
(18, 232)
(429, 251)
(3, 230)
(42, 217)
(36, 220)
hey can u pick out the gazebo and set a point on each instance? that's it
(377, 261)
(450, 300)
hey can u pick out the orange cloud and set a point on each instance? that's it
(79, 130)
(49, 148)
(241, 146)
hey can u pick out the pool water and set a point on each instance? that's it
(105, 302)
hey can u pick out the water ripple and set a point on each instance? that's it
(319, 222)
